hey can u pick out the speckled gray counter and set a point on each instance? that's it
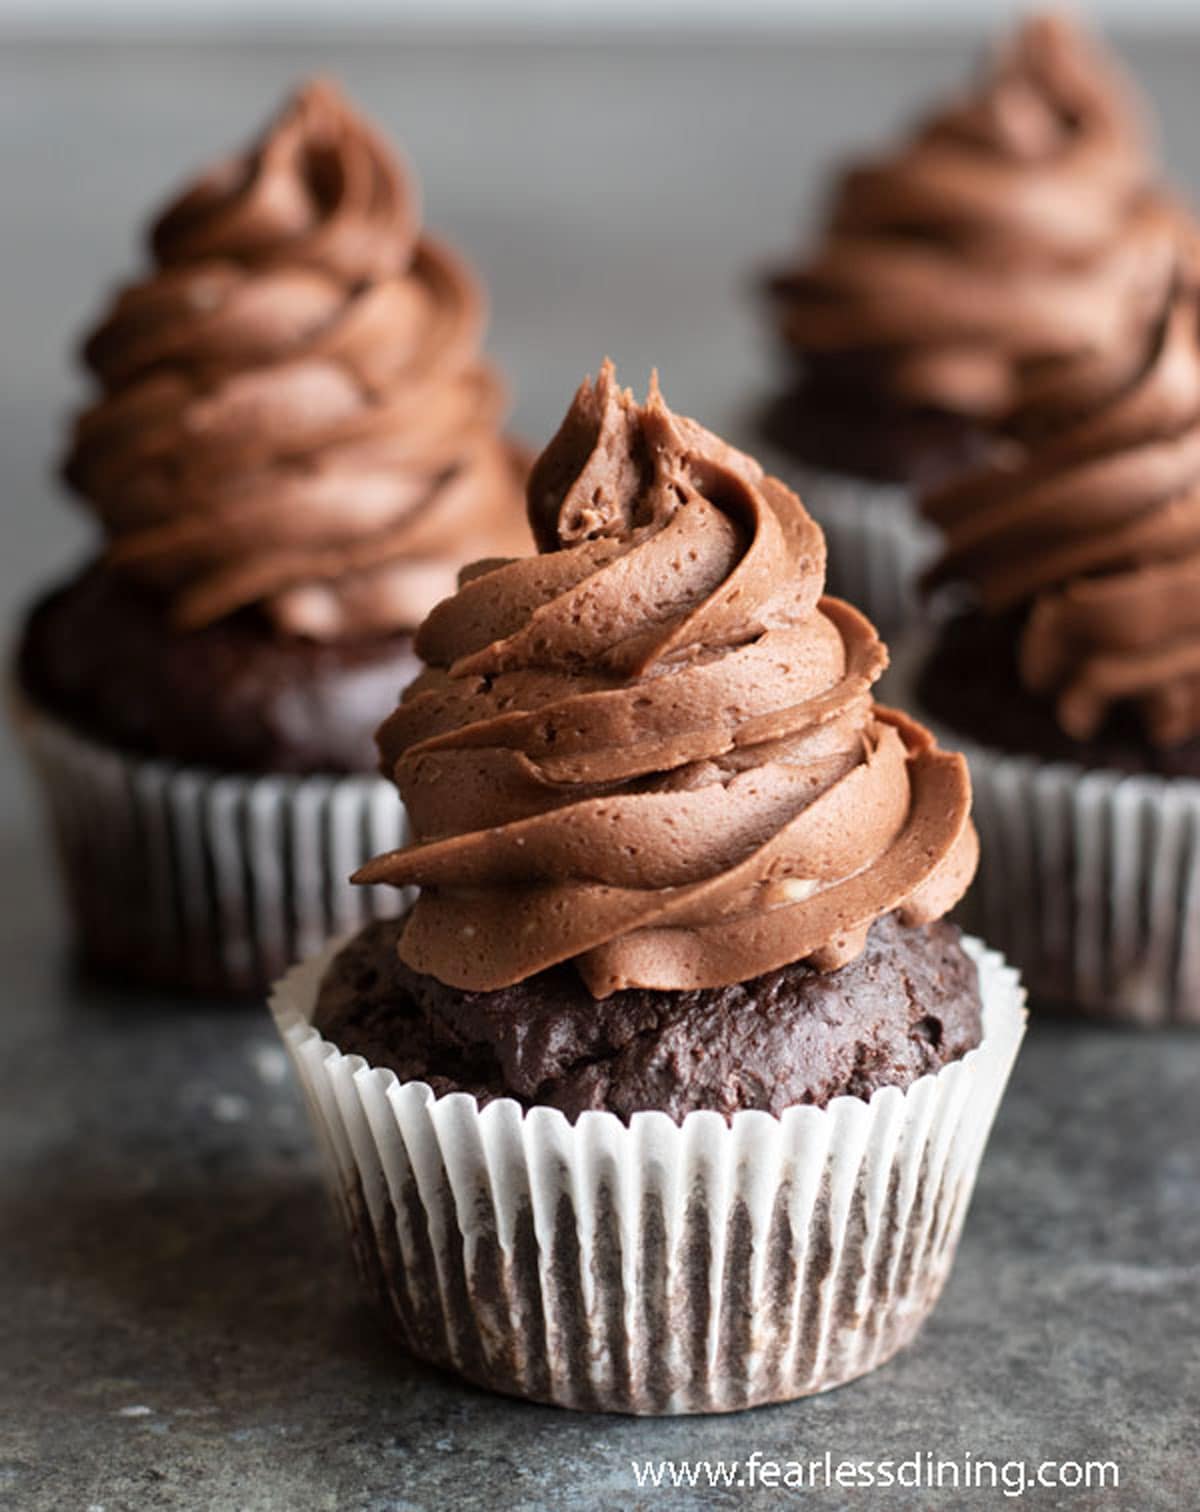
(179, 1328)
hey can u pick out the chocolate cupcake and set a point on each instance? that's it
(295, 446)
(1072, 671)
(667, 1092)
(1017, 228)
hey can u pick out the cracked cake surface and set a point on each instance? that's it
(908, 1005)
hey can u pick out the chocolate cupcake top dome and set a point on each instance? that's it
(1017, 225)
(295, 414)
(1092, 538)
(651, 750)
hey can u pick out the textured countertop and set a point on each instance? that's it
(179, 1327)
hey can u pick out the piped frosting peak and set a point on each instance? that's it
(652, 749)
(295, 414)
(1018, 226)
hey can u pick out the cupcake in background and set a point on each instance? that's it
(1071, 667)
(1017, 228)
(668, 1091)
(294, 448)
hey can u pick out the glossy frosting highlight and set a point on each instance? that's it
(1095, 533)
(1017, 228)
(652, 749)
(295, 412)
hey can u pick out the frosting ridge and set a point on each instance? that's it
(1016, 227)
(295, 413)
(652, 749)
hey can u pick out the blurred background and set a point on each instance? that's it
(620, 173)
(729, 16)
(639, 160)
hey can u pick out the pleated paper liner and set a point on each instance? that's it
(207, 881)
(653, 1267)
(1089, 881)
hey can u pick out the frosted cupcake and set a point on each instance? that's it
(295, 446)
(1073, 672)
(1017, 228)
(667, 1093)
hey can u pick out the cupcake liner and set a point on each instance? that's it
(653, 1267)
(1088, 880)
(877, 544)
(211, 881)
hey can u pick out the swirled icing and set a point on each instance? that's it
(295, 413)
(652, 749)
(1094, 532)
(1017, 228)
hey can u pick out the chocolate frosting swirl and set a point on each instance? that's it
(1094, 533)
(295, 413)
(652, 749)
(1017, 227)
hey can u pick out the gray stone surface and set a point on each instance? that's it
(179, 1326)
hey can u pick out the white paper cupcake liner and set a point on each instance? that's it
(214, 882)
(653, 1267)
(877, 545)
(1089, 881)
